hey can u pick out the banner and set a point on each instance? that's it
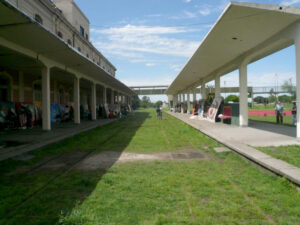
(214, 108)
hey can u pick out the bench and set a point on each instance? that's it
(226, 113)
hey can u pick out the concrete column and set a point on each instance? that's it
(183, 98)
(76, 97)
(297, 51)
(104, 95)
(217, 86)
(180, 100)
(188, 102)
(46, 98)
(243, 95)
(93, 101)
(21, 86)
(203, 91)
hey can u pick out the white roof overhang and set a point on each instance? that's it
(17, 27)
(243, 30)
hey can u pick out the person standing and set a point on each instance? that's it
(294, 113)
(279, 112)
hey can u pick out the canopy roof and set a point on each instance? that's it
(241, 28)
(19, 28)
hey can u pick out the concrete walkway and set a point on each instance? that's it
(28, 140)
(239, 139)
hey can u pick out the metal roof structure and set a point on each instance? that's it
(243, 31)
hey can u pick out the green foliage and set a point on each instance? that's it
(289, 88)
(146, 103)
(136, 102)
(158, 104)
(232, 98)
(285, 98)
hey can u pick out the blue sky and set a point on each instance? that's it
(149, 41)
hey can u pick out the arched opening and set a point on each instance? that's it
(5, 88)
(38, 18)
(69, 42)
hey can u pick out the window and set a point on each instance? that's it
(5, 89)
(87, 37)
(82, 31)
(69, 42)
(79, 49)
(37, 91)
(87, 55)
(59, 34)
(38, 18)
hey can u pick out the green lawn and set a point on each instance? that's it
(287, 106)
(287, 120)
(290, 154)
(221, 189)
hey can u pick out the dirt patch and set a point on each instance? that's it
(106, 159)
(64, 161)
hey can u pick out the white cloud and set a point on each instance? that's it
(187, 1)
(148, 80)
(176, 68)
(190, 14)
(205, 11)
(150, 64)
(132, 41)
(289, 2)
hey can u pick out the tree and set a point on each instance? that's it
(136, 102)
(232, 98)
(289, 88)
(260, 100)
(272, 97)
(146, 103)
(158, 103)
(285, 98)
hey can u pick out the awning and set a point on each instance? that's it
(240, 28)
(17, 27)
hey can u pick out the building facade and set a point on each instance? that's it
(47, 60)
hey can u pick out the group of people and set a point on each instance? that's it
(279, 108)
(10, 119)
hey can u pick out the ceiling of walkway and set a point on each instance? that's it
(241, 27)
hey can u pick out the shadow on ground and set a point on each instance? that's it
(49, 188)
(274, 128)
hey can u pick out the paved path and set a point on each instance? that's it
(238, 139)
(36, 138)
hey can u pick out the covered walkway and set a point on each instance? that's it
(244, 33)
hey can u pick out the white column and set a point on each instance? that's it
(21, 86)
(76, 96)
(104, 95)
(243, 95)
(217, 86)
(179, 95)
(46, 98)
(203, 91)
(188, 102)
(297, 50)
(93, 101)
